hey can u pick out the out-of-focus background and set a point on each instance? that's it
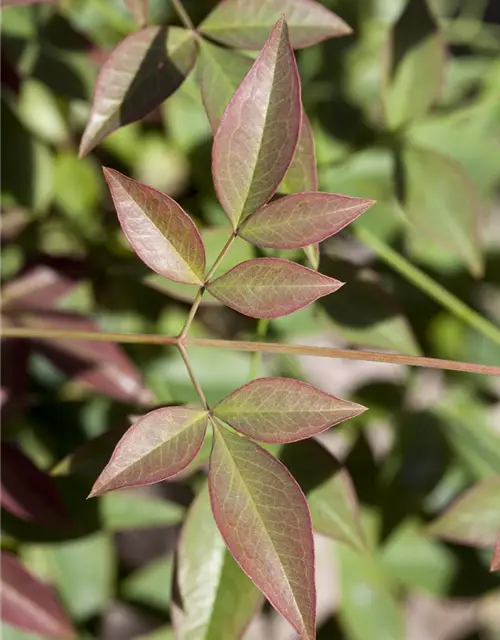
(428, 436)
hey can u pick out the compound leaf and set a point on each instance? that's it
(271, 287)
(216, 599)
(139, 74)
(264, 519)
(258, 133)
(298, 220)
(282, 410)
(156, 447)
(159, 230)
(244, 24)
(29, 604)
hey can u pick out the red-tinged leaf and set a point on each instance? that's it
(301, 219)
(258, 133)
(139, 9)
(271, 287)
(264, 519)
(216, 600)
(139, 74)
(474, 518)
(495, 561)
(244, 24)
(221, 71)
(40, 288)
(283, 410)
(302, 174)
(156, 447)
(29, 604)
(27, 492)
(159, 230)
(104, 366)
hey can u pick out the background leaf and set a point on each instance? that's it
(270, 287)
(455, 229)
(474, 518)
(156, 447)
(160, 232)
(249, 160)
(30, 604)
(216, 600)
(245, 25)
(283, 410)
(415, 64)
(143, 70)
(279, 553)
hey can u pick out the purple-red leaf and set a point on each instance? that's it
(283, 410)
(159, 230)
(39, 288)
(495, 561)
(29, 604)
(156, 447)
(264, 519)
(302, 174)
(271, 287)
(27, 492)
(474, 518)
(258, 133)
(300, 219)
(139, 9)
(139, 74)
(244, 24)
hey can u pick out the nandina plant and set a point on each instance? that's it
(253, 520)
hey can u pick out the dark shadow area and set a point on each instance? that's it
(309, 463)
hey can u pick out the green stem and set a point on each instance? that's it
(241, 345)
(262, 328)
(183, 15)
(194, 380)
(221, 256)
(430, 286)
(192, 313)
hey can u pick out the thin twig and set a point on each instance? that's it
(241, 345)
(192, 313)
(192, 375)
(221, 256)
(183, 15)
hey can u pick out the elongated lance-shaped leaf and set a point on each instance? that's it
(159, 230)
(474, 518)
(263, 516)
(271, 287)
(445, 210)
(29, 604)
(414, 64)
(258, 133)
(244, 24)
(139, 74)
(283, 410)
(221, 71)
(495, 561)
(302, 174)
(216, 599)
(300, 219)
(156, 447)
(27, 492)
